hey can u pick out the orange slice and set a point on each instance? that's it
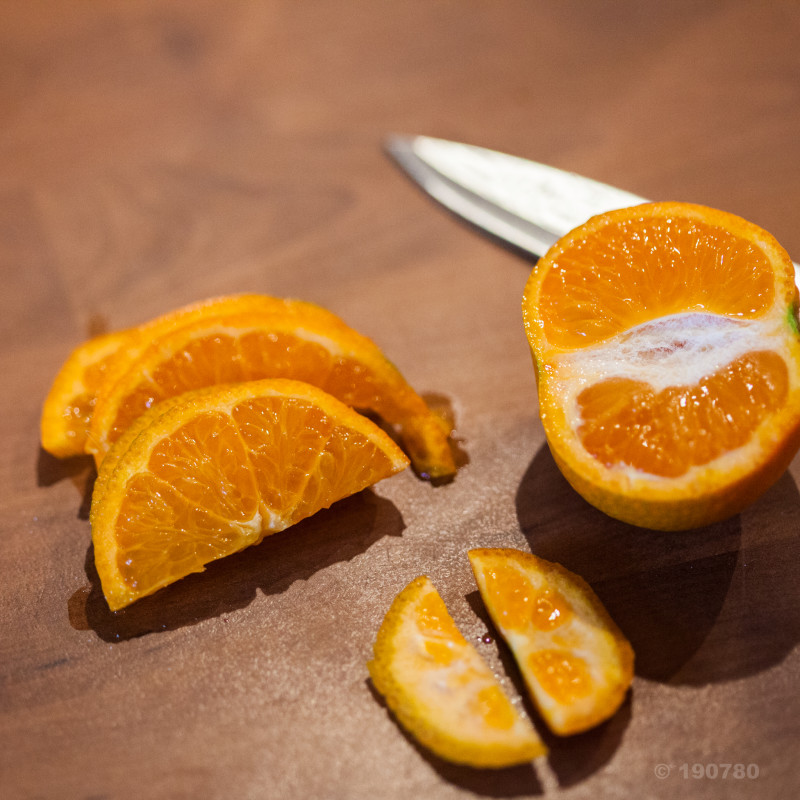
(216, 470)
(440, 689)
(666, 347)
(287, 339)
(575, 661)
(69, 405)
(70, 401)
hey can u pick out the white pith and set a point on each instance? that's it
(676, 350)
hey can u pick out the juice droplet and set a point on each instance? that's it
(76, 609)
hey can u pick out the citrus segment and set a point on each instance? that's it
(94, 365)
(667, 356)
(292, 340)
(575, 661)
(214, 471)
(627, 267)
(440, 689)
(628, 422)
(70, 402)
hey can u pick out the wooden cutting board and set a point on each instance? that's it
(158, 153)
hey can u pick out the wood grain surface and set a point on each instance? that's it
(156, 153)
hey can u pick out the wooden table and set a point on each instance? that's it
(156, 153)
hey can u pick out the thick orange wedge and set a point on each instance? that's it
(284, 339)
(214, 471)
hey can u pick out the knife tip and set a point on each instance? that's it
(396, 143)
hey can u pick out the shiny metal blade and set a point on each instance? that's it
(527, 204)
(524, 203)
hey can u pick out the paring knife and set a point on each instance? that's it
(524, 203)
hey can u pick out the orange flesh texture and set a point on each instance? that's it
(227, 477)
(254, 352)
(256, 346)
(445, 645)
(575, 661)
(625, 275)
(70, 403)
(78, 413)
(440, 688)
(434, 620)
(637, 270)
(563, 675)
(665, 433)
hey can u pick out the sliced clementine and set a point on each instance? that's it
(440, 689)
(281, 339)
(666, 347)
(92, 366)
(575, 661)
(70, 402)
(216, 470)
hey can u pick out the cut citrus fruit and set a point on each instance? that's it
(575, 661)
(216, 470)
(70, 401)
(284, 339)
(440, 689)
(666, 347)
(69, 405)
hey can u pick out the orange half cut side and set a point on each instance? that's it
(665, 342)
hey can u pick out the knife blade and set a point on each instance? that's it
(524, 203)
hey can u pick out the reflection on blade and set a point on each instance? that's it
(527, 204)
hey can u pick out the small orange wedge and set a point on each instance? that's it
(69, 406)
(440, 689)
(666, 347)
(70, 402)
(214, 471)
(277, 339)
(575, 661)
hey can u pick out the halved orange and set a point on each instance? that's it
(216, 470)
(665, 342)
(574, 659)
(281, 339)
(440, 689)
